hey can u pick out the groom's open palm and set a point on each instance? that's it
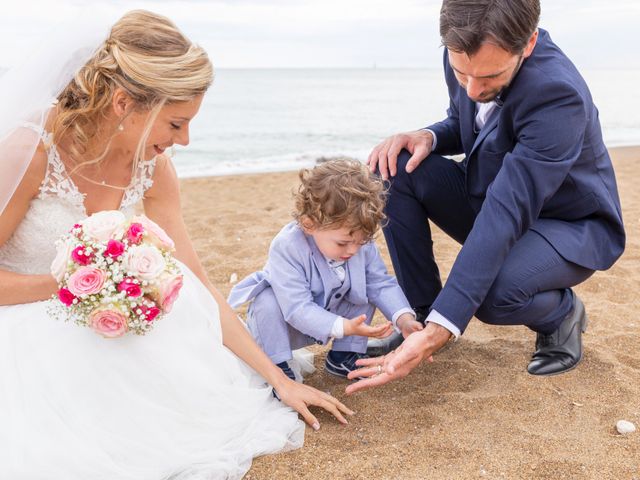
(399, 363)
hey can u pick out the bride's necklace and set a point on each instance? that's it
(104, 183)
(75, 170)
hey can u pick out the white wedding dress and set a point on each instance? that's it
(173, 404)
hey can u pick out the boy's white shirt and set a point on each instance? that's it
(337, 330)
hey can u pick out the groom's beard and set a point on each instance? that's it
(491, 95)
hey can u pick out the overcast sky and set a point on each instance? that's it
(337, 33)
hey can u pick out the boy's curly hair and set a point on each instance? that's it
(341, 193)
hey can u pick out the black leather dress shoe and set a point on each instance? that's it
(560, 351)
(376, 347)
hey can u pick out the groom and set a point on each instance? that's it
(534, 202)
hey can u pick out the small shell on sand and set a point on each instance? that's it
(623, 427)
(233, 278)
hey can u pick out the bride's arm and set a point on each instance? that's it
(15, 287)
(162, 205)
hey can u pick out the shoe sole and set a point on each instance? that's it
(337, 367)
(583, 327)
(340, 375)
(380, 347)
(335, 374)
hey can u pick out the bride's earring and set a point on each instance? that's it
(120, 127)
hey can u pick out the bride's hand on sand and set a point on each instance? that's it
(399, 363)
(300, 397)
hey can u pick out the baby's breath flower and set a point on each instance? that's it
(83, 306)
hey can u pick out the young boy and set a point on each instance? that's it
(324, 276)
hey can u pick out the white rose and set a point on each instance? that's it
(156, 234)
(144, 262)
(102, 225)
(59, 264)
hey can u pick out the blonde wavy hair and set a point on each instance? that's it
(338, 194)
(146, 56)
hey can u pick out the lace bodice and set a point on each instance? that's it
(57, 207)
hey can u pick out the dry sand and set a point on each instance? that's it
(474, 412)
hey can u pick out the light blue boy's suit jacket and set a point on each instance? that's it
(303, 284)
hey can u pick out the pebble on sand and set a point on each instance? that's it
(625, 427)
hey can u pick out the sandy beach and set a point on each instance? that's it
(474, 412)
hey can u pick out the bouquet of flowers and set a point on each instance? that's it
(115, 275)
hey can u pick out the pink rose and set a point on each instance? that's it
(156, 234)
(168, 291)
(150, 313)
(114, 249)
(131, 288)
(66, 296)
(102, 225)
(63, 255)
(134, 233)
(80, 256)
(144, 262)
(86, 281)
(108, 323)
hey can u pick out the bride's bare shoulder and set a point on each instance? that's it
(33, 177)
(27, 190)
(17, 145)
(165, 179)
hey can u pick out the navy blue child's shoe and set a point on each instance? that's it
(341, 363)
(284, 366)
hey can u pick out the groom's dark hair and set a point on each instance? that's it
(466, 24)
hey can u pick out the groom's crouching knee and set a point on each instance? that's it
(431, 169)
(401, 166)
(505, 304)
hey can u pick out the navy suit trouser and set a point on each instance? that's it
(533, 287)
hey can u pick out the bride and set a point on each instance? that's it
(175, 403)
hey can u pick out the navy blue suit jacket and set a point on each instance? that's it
(539, 163)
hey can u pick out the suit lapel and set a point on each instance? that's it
(356, 271)
(491, 124)
(467, 117)
(329, 279)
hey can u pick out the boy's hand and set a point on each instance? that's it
(408, 324)
(356, 326)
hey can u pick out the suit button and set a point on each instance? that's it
(338, 295)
